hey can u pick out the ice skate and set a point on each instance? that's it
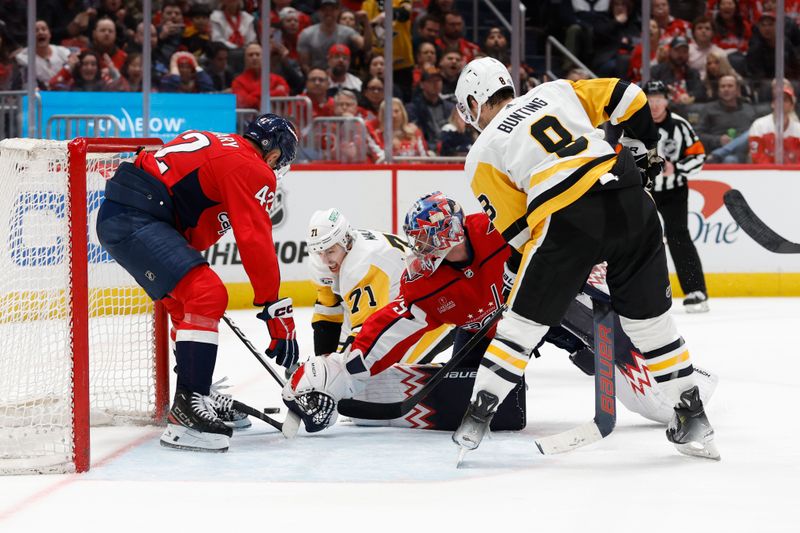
(475, 423)
(696, 302)
(223, 405)
(192, 424)
(689, 428)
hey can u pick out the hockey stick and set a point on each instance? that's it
(755, 227)
(605, 415)
(388, 411)
(292, 423)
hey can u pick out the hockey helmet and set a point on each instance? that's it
(270, 131)
(433, 225)
(656, 87)
(327, 228)
(480, 79)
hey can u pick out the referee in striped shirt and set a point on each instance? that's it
(683, 155)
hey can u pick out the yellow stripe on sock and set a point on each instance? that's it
(507, 357)
(680, 358)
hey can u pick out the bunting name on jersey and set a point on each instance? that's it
(521, 114)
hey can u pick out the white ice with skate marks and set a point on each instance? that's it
(367, 479)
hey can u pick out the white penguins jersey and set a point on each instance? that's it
(368, 279)
(544, 150)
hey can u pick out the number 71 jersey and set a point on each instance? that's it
(544, 150)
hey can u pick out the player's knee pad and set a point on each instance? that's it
(650, 333)
(202, 294)
(518, 329)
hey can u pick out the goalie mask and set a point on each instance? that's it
(433, 226)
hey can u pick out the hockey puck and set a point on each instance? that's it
(272, 410)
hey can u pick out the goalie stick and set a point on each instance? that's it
(755, 227)
(387, 411)
(605, 415)
(289, 426)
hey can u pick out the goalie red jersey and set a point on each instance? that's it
(463, 295)
(220, 182)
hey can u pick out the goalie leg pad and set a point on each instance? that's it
(443, 408)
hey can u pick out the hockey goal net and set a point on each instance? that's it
(79, 340)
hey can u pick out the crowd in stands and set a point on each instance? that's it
(716, 56)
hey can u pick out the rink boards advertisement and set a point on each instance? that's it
(378, 198)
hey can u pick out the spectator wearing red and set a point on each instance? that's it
(185, 76)
(10, 77)
(290, 29)
(338, 65)
(247, 85)
(104, 39)
(317, 83)
(453, 38)
(635, 65)
(233, 26)
(762, 133)
(670, 26)
(407, 138)
(731, 31)
(83, 74)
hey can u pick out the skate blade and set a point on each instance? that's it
(706, 450)
(461, 454)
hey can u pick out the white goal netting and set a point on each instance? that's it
(38, 403)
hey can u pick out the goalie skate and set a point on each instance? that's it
(689, 428)
(192, 424)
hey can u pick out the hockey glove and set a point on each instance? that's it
(283, 346)
(654, 167)
(315, 388)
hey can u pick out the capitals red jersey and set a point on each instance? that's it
(463, 295)
(219, 182)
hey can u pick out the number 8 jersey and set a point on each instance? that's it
(543, 151)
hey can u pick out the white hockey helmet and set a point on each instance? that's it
(327, 228)
(480, 79)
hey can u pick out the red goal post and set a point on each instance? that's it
(80, 342)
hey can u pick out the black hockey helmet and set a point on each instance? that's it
(656, 87)
(270, 131)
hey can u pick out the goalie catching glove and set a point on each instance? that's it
(280, 322)
(315, 389)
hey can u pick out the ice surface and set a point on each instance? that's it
(379, 479)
